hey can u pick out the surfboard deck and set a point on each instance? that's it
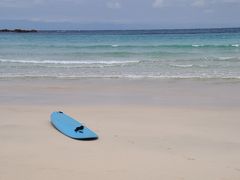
(71, 127)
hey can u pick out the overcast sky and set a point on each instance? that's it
(119, 14)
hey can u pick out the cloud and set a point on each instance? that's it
(158, 3)
(199, 3)
(30, 3)
(16, 3)
(208, 3)
(230, 1)
(113, 5)
(208, 11)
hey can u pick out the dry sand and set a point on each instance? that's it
(149, 130)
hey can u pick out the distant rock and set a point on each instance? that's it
(19, 30)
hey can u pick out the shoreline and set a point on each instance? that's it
(151, 92)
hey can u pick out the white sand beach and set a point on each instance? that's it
(148, 129)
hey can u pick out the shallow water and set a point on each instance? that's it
(209, 53)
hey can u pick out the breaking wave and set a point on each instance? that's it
(67, 62)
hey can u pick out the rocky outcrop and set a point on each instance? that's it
(19, 30)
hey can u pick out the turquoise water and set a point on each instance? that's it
(121, 54)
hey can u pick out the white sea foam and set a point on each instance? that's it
(197, 45)
(182, 65)
(225, 58)
(115, 45)
(215, 45)
(121, 76)
(64, 62)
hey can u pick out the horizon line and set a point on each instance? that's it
(132, 29)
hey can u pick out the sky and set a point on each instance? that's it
(118, 14)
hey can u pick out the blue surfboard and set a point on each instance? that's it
(71, 127)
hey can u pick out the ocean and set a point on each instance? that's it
(178, 54)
